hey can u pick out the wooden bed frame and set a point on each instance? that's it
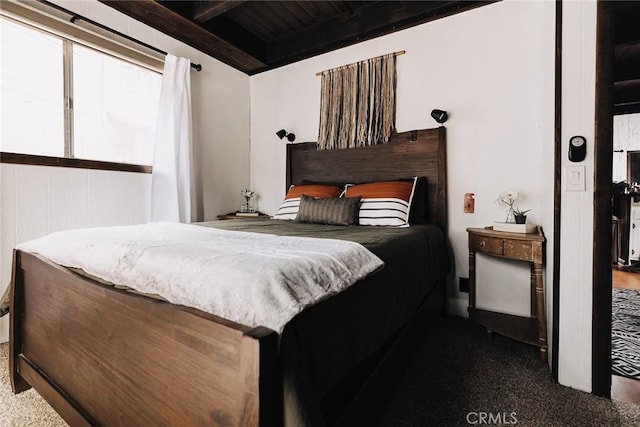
(103, 356)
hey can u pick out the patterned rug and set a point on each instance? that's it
(625, 333)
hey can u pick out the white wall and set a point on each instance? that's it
(492, 69)
(38, 200)
(576, 247)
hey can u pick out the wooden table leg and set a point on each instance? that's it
(472, 279)
(541, 314)
(534, 297)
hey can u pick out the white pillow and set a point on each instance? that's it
(384, 203)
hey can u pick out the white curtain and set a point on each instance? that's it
(171, 179)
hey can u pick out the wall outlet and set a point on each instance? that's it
(463, 285)
(469, 203)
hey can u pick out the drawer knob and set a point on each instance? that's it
(482, 244)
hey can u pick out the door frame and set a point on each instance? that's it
(557, 194)
(603, 165)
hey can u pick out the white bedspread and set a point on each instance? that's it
(251, 278)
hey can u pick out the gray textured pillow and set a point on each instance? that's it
(332, 211)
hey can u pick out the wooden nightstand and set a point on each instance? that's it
(233, 215)
(516, 246)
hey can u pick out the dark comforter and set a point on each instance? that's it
(323, 344)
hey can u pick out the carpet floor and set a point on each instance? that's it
(458, 374)
(625, 333)
(456, 378)
(25, 409)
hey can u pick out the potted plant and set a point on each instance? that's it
(520, 216)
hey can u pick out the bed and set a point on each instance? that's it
(105, 356)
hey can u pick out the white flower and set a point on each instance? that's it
(246, 193)
(508, 197)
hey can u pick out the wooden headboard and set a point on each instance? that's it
(413, 153)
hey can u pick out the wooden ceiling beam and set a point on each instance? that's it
(630, 108)
(626, 92)
(369, 21)
(237, 35)
(207, 28)
(207, 10)
(626, 21)
(177, 26)
(627, 61)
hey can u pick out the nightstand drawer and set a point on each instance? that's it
(521, 250)
(488, 245)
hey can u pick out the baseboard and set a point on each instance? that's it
(457, 307)
(4, 329)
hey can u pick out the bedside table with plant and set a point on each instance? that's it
(246, 210)
(513, 239)
(528, 247)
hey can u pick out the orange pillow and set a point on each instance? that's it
(395, 189)
(313, 190)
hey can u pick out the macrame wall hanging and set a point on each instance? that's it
(358, 103)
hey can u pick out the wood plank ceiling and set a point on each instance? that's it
(255, 36)
(627, 57)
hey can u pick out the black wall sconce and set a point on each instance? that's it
(283, 134)
(439, 116)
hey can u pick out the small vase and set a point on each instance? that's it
(520, 219)
(510, 216)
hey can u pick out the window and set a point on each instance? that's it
(31, 82)
(115, 106)
(63, 99)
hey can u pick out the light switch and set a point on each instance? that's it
(574, 178)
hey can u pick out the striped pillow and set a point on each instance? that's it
(332, 211)
(384, 203)
(289, 207)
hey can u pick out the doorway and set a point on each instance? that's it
(625, 259)
(617, 93)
